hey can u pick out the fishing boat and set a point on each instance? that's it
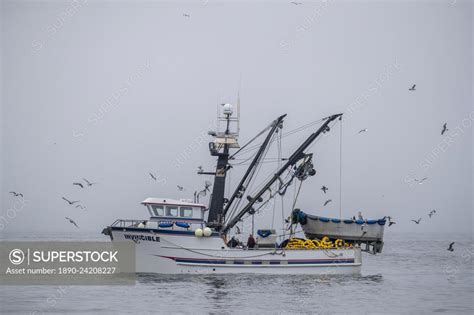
(186, 236)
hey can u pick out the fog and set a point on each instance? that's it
(110, 91)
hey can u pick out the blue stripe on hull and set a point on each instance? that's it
(260, 262)
(339, 261)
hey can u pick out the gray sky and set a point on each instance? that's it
(112, 90)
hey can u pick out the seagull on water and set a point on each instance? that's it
(327, 201)
(180, 188)
(296, 3)
(16, 194)
(78, 184)
(186, 15)
(412, 88)
(432, 212)
(88, 182)
(70, 202)
(450, 248)
(445, 128)
(417, 221)
(72, 221)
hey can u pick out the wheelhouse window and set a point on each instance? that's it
(186, 212)
(150, 210)
(172, 211)
(158, 211)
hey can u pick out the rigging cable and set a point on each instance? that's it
(295, 198)
(279, 166)
(289, 133)
(271, 196)
(250, 183)
(340, 170)
(251, 140)
(246, 162)
(281, 197)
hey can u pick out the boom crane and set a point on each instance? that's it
(294, 158)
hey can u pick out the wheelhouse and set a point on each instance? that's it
(171, 210)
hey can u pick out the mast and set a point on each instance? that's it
(223, 141)
(240, 187)
(295, 157)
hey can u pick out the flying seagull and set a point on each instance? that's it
(324, 188)
(152, 176)
(412, 88)
(207, 185)
(364, 130)
(72, 221)
(445, 128)
(327, 201)
(417, 221)
(450, 248)
(16, 194)
(78, 184)
(420, 181)
(88, 182)
(390, 222)
(186, 15)
(70, 202)
(432, 212)
(80, 206)
(180, 188)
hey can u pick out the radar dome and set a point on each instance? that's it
(228, 109)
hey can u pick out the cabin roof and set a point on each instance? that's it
(174, 202)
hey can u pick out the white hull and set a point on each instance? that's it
(165, 252)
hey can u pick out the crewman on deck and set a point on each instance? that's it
(251, 242)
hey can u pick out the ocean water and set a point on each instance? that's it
(414, 275)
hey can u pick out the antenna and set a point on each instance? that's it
(238, 104)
